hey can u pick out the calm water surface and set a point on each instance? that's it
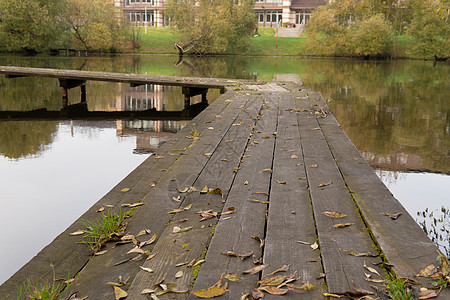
(396, 113)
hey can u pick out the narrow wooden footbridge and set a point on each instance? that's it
(262, 183)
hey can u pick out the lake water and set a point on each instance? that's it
(396, 113)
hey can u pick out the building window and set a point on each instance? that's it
(274, 16)
(151, 2)
(302, 16)
(260, 16)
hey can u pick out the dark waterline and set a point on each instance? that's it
(396, 113)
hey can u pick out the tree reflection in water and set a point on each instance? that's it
(436, 225)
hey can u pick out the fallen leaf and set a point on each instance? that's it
(300, 287)
(214, 291)
(325, 184)
(101, 209)
(314, 166)
(233, 277)
(267, 170)
(143, 232)
(125, 190)
(177, 229)
(273, 290)
(334, 214)
(266, 137)
(241, 256)
(365, 254)
(428, 271)
(314, 246)
(216, 191)
(148, 291)
(100, 253)
(260, 240)
(136, 250)
(175, 211)
(428, 294)
(119, 293)
(370, 269)
(245, 296)
(281, 182)
(151, 240)
(283, 268)
(393, 216)
(184, 190)
(302, 242)
(257, 294)
(343, 225)
(199, 262)
(79, 232)
(176, 199)
(204, 190)
(179, 274)
(261, 193)
(246, 182)
(293, 156)
(132, 204)
(207, 154)
(255, 270)
(331, 295)
(258, 201)
(159, 157)
(146, 269)
(272, 280)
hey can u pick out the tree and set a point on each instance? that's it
(372, 37)
(430, 29)
(32, 25)
(212, 26)
(96, 24)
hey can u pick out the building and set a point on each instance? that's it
(269, 13)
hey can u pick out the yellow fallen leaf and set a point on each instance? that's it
(233, 277)
(214, 291)
(272, 280)
(100, 252)
(314, 166)
(179, 274)
(334, 214)
(132, 204)
(343, 225)
(125, 190)
(314, 246)
(101, 209)
(428, 271)
(258, 201)
(147, 291)
(207, 154)
(293, 156)
(331, 295)
(204, 190)
(371, 269)
(301, 287)
(246, 182)
(255, 270)
(146, 269)
(119, 293)
(325, 184)
(176, 199)
(79, 232)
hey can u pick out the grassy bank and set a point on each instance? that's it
(160, 41)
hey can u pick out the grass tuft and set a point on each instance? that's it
(398, 289)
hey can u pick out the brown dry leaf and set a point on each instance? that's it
(261, 193)
(255, 270)
(233, 277)
(260, 240)
(228, 141)
(245, 296)
(266, 137)
(428, 294)
(143, 232)
(204, 190)
(267, 170)
(214, 291)
(241, 256)
(325, 184)
(293, 156)
(100, 253)
(393, 216)
(281, 182)
(300, 287)
(331, 295)
(428, 271)
(136, 250)
(185, 190)
(273, 290)
(272, 280)
(365, 254)
(147, 291)
(283, 268)
(151, 240)
(119, 293)
(343, 225)
(175, 211)
(101, 209)
(334, 214)
(257, 294)
(370, 269)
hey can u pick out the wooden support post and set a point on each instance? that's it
(187, 101)
(204, 100)
(65, 97)
(83, 93)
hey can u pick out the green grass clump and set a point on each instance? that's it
(45, 291)
(398, 289)
(111, 226)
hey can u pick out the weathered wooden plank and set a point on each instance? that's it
(70, 262)
(184, 247)
(290, 216)
(250, 217)
(154, 215)
(137, 79)
(402, 241)
(329, 193)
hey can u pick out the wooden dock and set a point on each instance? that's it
(252, 175)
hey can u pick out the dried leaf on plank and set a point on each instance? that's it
(343, 225)
(365, 254)
(241, 256)
(255, 270)
(273, 290)
(213, 291)
(233, 277)
(300, 287)
(260, 240)
(334, 214)
(370, 269)
(119, 293)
